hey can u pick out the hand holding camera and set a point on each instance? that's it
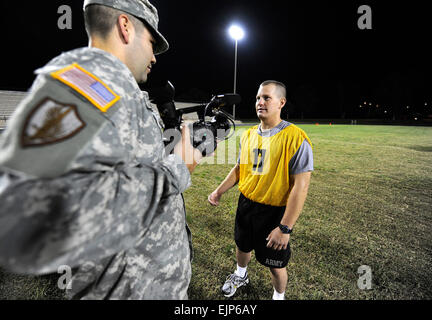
(204, 134)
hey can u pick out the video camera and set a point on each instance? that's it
(204, 134)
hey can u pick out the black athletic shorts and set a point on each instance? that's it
(254, 222)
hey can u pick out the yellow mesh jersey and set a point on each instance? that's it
(264, 164)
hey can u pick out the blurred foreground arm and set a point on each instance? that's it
(184, 149)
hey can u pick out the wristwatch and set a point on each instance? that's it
(285, 229)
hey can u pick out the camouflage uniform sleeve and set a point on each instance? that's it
(64, 206)
(175, 166)
(81, 216)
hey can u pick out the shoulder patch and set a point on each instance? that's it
(50, 122)
(88, 85)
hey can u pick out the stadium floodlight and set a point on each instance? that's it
(237, 34)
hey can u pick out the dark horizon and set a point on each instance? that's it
(328, 64)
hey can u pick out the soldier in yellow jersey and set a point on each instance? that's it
(273, 173)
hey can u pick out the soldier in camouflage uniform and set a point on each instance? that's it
(84, 178)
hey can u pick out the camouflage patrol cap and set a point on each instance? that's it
(141, 9)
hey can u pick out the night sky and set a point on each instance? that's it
(329, 65)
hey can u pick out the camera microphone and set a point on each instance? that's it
(222, 100)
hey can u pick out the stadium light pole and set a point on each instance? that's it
(237, 34)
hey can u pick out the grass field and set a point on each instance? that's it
(369, 203)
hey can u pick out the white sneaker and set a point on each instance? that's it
(232, 283)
